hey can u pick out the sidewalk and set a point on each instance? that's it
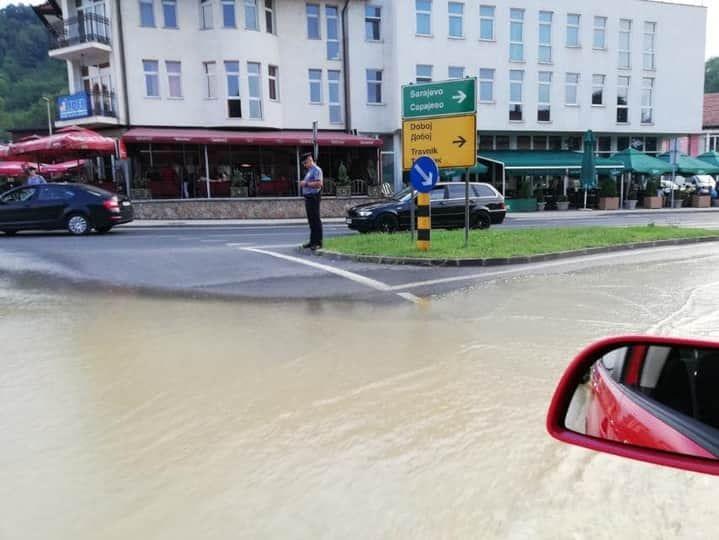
(518, 216)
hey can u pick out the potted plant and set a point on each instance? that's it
(238, 186)
(539, 195)
(562, 202)
(652, 199)
(608, 199)
(344, 189)
(526, 201)
(630, 203)
(140, 188)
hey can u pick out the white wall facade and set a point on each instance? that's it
(678, 76)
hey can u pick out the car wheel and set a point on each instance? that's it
(387, 223)
(10, 233)
(481, 220)
(78, 224)
(104, 230)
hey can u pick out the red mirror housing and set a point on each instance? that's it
(576, 374)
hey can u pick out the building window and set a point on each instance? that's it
(455, 72)
(273, 78)
(501, 142)
(333, 80)
(486, 85)
(209, 72)
(229, 17)
(543, 97)
(600, 33)
(539, 142)
(269, 17)
(251, 21)
(232, 73)
(516, 82)
(423, 11)
(374, 86)
(625, 39)
(516, 35)
(333, 32)
(372, 23)
(169, 13)
(622, 143)
(486, 23)
(315, 76)
(174, 78)
(424, 73)
(152, 80)
(524, 142)
(650, 34)
(712, 143)
(254, 81)
(147, 13)
(456, 19)
(647, 100)
(571, 89)
(573, 30)
(623, 99)
(604, 146)
(598, 89)
(313, 21)
(545, 37)
(206, 14)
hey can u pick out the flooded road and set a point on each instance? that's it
(128, 417)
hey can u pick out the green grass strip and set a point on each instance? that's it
(500, 243)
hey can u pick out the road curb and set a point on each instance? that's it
(524, 259)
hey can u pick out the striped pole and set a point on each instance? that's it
(424, 221)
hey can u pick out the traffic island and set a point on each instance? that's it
(505, 247)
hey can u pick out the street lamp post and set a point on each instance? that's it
(49, 117)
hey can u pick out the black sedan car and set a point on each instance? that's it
(486, 207)
(78, 208)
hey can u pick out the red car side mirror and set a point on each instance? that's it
(646, 398)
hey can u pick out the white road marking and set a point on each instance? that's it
(538, 266)
(411, 297)
(357, 278)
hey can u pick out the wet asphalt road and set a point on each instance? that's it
(263, 262)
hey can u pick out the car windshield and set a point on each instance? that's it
(402, 195)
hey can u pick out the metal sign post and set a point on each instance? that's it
(466, 209)
(411, 215)
(315, 144)
(674, 156)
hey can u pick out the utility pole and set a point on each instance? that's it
(49, 116)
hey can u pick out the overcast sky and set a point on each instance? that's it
(712, 18)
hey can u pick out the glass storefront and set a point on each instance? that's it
(178, 171)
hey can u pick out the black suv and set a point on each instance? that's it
(75, 207)
(486, 207)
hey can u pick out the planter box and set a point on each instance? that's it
(522, 205)
(563, 205)
(374, 191)
(239, 192)
(715, 202)
(630, 204)
(540, 206)
(678, 203)
(141, 193)
(344, 191)
(609, 203)
(701, 201)
(653, 202)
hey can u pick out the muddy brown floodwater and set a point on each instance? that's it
(127, 417)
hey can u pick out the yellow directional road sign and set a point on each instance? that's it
(450, 141)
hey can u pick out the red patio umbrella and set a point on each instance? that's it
(19, 168)
(4, 150)
(67, 143)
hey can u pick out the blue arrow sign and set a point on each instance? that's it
(424, 174)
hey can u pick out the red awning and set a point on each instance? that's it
(68, 143)
(246, 138)
(4, 151)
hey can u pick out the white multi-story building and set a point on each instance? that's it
(548, 70)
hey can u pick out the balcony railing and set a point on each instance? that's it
(85, 28)
(86, 104)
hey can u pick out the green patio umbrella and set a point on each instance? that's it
(641, 163)
(689, 166)
(710, 157)
(589, 169)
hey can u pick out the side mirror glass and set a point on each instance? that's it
(647, 398)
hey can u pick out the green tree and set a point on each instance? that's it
(711, 76)
(27, 73)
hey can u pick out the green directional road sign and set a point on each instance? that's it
(439, 99)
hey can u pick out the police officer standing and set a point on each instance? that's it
(311, 188)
